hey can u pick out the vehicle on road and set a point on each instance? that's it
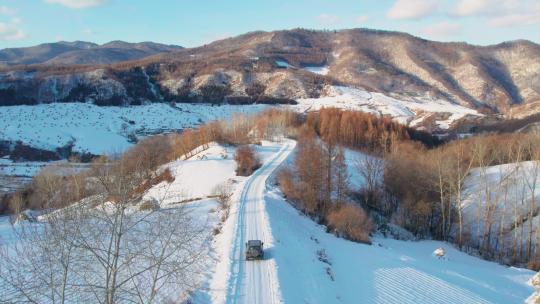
(254, 250)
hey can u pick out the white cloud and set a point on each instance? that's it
(472, 7)
(328, 19)
(78, 3)
(362, 19)
(412, 9)
(500, 13)
(442, 30)
(10, 31)
(531, 17)
(4, 10)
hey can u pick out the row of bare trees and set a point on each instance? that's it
(479, 193)
(100, 241)
(100, 249)
(318, 184)
(356, 129)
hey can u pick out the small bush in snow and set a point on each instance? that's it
(152, 205)
(223, 193)
(247, 161)
(350, 222)
(534, 265)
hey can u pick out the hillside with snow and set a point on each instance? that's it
(103, 130)
(304, 263)
(421, 112)
(498, 203)
(88, 128)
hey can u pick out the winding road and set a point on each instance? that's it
(255, 282)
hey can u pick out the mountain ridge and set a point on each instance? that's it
(79, 52)
(497, 79)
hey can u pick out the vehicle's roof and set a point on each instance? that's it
(254, 243)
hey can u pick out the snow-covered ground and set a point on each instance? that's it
(101, 130)
(321, 70)
(305, 264)
(14, 174)
(506, 191)
(410, 112)
(316, 267)
(196, 177)
(282, 64)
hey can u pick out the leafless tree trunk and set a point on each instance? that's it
(462, 169)
(103, 249)
(372, 171)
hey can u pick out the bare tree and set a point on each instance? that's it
(372, 170)
(102, 249)
(531, 178)
(461, 168)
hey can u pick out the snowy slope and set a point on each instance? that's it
(509, 193)
(303, 263)
(410, 112)
(316, 267)
(389, 271)
(196, 177)
(321, 70)
(101, 130)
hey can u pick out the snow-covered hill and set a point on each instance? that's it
(305, 264)
(313, 266)
(412, 111)
(505, 194)
(334, 270)
(101, 130)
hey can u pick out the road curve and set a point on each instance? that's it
(255, 282)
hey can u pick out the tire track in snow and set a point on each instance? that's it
(254, 282)
(407, 285)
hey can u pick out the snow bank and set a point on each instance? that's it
(535, 282)
(282, 64)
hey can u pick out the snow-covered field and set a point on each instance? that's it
(14, 174)
(305, 264)
(102, 130)
(410, 112)
(389, 271)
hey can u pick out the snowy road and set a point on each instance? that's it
(255, 282)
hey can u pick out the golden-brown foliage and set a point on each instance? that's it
(356, 129)
(351, 222)
(247, 160)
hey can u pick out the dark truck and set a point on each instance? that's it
(254, 250)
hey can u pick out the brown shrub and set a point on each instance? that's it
(150, 205)
(351, 222)
(165, 176)
(145, 157)
(247, 161)
(534, 265)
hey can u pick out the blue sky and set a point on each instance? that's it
(192, 23)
